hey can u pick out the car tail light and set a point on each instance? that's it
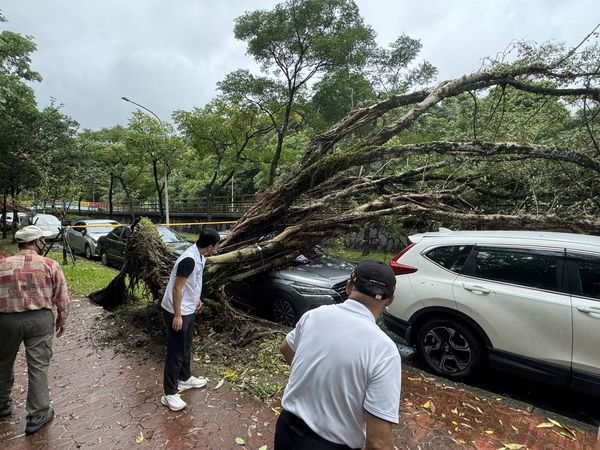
(402, 269)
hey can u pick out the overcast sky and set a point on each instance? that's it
(169, 55)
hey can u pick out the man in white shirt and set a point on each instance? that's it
(179, 304)
(344, 386)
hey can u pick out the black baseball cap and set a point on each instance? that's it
(375, 279)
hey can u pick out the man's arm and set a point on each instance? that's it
(286, 351)
(60, 299)
(177, 296)
(379, 433)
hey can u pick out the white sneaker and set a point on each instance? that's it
(173, 402)
(192, 383)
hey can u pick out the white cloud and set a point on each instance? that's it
(170, 55)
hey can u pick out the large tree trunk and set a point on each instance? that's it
(323, 197)
(4, 211)
(158, 191)
(110, 196)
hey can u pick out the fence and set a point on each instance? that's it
(215, 204)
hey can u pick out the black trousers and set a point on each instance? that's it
(179, 352)
(292, 433)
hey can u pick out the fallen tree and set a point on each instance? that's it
(356, 171)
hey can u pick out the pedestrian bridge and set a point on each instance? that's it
(216, 208)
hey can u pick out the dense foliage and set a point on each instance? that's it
(329, 110)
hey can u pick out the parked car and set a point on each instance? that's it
(527, 303)
(10, 217)
(173, 239)
(111, 247)
(46, 222)
(85, 239)
(283, 295)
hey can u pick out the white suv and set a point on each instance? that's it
(523, 302)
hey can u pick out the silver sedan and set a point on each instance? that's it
(83, 235)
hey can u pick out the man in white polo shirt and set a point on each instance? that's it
(179, 304)
(344, 386)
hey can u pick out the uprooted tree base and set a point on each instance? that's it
(146, 271)
(329, 193)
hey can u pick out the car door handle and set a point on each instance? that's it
(594, 312)
(476, 289)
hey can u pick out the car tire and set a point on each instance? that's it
(286, 311)
(104, 258)
(88, 252)
(449, 348)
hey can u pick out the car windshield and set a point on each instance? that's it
(168, 235)
(103, 228)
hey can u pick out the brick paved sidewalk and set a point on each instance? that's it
(105, 399)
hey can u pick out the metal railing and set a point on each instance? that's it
(217, 204)
(202, 205)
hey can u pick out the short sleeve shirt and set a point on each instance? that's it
(343, 364)
(29, 282)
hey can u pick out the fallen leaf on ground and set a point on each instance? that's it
(489, 432)
(140, 438)
(264, 447)
(455, 411)
(565, 434)
(220, 383)
(513, 446)
(240, 441)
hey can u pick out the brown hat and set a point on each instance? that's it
(375, 279)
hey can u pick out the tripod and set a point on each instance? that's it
(66, 247)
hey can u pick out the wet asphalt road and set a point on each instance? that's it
(543, 400)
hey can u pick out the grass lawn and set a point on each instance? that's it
(190, 237)
(85, 277)
(357, 256)
(7, 248)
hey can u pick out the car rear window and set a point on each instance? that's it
(451, 257)
(522, 267)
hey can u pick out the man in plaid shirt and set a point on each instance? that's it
(30, 285)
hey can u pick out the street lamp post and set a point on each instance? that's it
(165, 175)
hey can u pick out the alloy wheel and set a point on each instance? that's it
(447, 349)
(283, 312)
